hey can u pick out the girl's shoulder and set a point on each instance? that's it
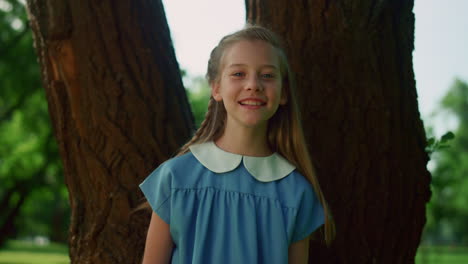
(298, 183)
(173, 172)
(179, 163)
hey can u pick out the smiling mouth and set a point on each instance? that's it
(252, 103)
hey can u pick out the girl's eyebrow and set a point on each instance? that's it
(263, 66)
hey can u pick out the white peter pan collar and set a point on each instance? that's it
(264, 169)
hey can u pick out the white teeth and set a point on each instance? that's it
(251, 103)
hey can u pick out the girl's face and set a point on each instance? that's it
(249, 83)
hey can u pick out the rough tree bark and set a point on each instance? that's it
(354, 72)
(118, 108)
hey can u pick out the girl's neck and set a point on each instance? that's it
(248, 142)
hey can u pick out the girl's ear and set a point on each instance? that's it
(215, 91)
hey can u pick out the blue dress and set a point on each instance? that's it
(227, 208)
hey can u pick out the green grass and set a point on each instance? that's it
(20, 252)
(442, 255)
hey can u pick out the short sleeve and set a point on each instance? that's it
(157, 190)
(310, 216)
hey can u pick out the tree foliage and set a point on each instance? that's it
(33, 197)
(199, 95)
(448, 213)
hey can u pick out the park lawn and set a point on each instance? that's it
(20, 252)
(442, 255)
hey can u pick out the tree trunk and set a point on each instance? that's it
(7, 222)
(118, 108)
(353, 65)
(13, 199)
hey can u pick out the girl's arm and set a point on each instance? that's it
(159, 245)
(299, 252)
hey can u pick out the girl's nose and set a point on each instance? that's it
(254, 83)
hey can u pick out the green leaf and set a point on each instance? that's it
(447, 136)
(443, 147)
(430, 141)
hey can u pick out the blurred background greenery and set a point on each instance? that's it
(34, 210)
(33, 197)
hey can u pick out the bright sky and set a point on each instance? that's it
(197, 26)
(441, 40)
(441, 52)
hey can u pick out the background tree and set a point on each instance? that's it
(353, 65)
(447, 210)
(118, 109)
(33, 198)
(199, 93)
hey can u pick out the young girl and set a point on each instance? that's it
(243, 189)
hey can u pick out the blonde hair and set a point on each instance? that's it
(285, 133)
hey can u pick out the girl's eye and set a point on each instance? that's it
(268, 76)
(238, 74)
